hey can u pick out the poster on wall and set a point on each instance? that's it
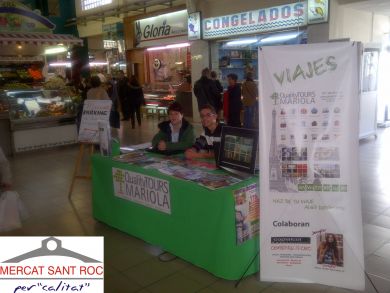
(311, 208)
(93, 112)
(246, 207)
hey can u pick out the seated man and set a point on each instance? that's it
(210, 139)
(177, 134)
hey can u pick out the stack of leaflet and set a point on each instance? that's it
(132, 157)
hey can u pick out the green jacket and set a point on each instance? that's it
(186, 136)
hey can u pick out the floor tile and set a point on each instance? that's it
(199, 275)
(177, 283)
(206, 290)
(248, 285)
(298, 288)
(153, 270)
(120, 284)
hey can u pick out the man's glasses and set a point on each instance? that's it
(207, 115)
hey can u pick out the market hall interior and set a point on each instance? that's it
(131, 265)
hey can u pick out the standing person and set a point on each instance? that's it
(218, 104)
(250, 93)
(235, 104)
(112, 92)
(207, 144)
(122, 95)
(136, 99)
(205, 90)
(177, 134)
(5, 173)
(97, 92)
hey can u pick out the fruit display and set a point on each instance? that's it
(16, 86)
(54, 83)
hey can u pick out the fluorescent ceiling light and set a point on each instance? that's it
(59, 64)
(97, 63)
(180, 45)
(279, 38)
(241, 42)
(55, 50)
(156, 48)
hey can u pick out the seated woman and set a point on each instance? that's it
(177, 134)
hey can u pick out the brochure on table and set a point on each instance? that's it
(311, 225)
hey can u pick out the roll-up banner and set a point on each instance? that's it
(311, 224)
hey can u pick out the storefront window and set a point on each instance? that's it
(90, 4)
(239, 55)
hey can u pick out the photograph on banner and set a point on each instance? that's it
(93, 111)
(311, 206)
(247, 210)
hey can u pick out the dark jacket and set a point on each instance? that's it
(206, 92)
(135, 96)
(122, 88)
(186, 136)
(235, 103)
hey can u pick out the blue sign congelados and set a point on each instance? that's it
(267, 19)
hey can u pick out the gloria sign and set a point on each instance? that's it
(161, 27)
(262, 20)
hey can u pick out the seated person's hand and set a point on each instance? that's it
(162, 146)
(191, 153)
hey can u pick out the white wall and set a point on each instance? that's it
(358, 25)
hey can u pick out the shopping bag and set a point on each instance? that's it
(10, 207)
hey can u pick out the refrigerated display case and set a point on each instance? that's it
(40, 118)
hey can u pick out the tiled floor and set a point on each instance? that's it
(42, 178)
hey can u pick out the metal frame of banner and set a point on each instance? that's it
(79, 159)
(247, 268)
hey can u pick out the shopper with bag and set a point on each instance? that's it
(5, 173)
(11, 208)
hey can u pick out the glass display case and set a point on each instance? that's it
(40, 118)
(31, 105)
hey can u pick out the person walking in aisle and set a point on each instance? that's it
(122, 95)
(136, 100)
(218, 103)
(234, 104)
(5, 173)
(205, 90)
(97, 92)
(250, 93)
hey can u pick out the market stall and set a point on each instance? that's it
(187, 219)
(35, 112)
(161, 57)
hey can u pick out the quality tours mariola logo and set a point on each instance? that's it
(51, 264)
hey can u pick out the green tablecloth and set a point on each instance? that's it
(200, 229)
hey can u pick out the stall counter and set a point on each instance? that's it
(200, 228)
